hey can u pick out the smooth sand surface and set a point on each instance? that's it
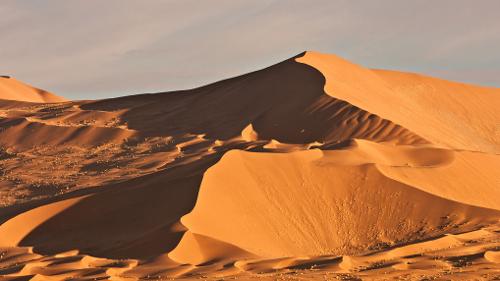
(312, 169)
(12, 89)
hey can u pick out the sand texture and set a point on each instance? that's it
(312, 169)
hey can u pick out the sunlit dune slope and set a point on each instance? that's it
(454, 114)
(12, 89)
(316, 203)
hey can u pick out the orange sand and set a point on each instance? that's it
(312, 169)
(12, 89)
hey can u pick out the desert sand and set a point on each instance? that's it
(12, 89)
(311, 169)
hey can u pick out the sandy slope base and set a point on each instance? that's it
(472, 255)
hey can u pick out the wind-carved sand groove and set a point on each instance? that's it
(314, 168)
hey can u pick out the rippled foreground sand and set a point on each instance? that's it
(312, 169)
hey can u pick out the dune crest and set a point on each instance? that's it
(442, 107)
(314, 166)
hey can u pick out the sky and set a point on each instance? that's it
(89, 49)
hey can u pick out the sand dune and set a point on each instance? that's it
(306, 203)
(313, 168)
(12, 89)
(453, 114)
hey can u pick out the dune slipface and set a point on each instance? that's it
(314, 165)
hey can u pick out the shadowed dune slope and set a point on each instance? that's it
(137, 218)
(285, 102)
(12, 89)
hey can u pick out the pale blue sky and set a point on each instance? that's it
(85, 49)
